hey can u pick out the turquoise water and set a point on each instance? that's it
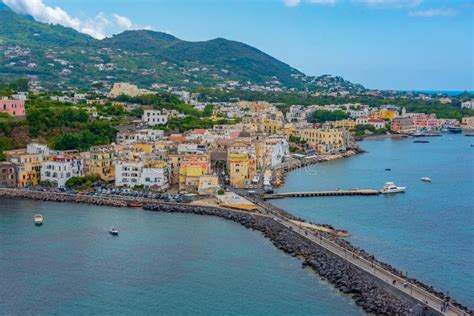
(159, 264)
(427, 231)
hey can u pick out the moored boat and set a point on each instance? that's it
(134, 204)
(390, 187)
(38, 219)
(113, 231)
(454, 130)
(426, 179)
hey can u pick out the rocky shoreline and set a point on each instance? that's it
(367, 291)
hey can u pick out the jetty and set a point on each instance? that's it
(281, 195)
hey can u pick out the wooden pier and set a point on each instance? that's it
(282, 195)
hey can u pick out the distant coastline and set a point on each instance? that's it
(445, 92)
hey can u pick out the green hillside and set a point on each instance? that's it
(62, 57)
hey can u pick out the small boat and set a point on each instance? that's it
(131, 204)
(469, 134)
(421, 141)
(426, 179)
(38, 219)
(454, 130)
(113, 231)
(388, 169)
(390, 187)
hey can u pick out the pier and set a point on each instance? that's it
(281, 195)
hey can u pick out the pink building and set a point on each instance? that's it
(13, 107)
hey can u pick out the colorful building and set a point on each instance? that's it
(101, 162)
(189, 174)
(387, 114)
(8, 175)
(347, 124)
(28, 168)
(208, 184)
(239, 170)
(13, 107)
(403, 125)
(325, 141)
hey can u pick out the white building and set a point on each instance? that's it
(152, 175)
(276, 150)
(140, 136)
(36, 148)
(127, 173)
(59, 169)
(155, 175)
(468, 105)
(154, 117)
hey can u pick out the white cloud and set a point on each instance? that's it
(123, 21)
(433, 12)
(291, 3)
(96, 27)
(391, 3)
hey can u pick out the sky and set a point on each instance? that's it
(382, 44)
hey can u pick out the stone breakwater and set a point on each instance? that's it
(62, 197)
(280, 173)
(369, 257)
(367, 293)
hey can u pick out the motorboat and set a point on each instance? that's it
(390, 187)
(426, 179)
(113, 231)
(38, 219)
(388, 169)
(421, 141)
(454, 129)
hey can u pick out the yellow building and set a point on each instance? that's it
(29, 168)
(144, 147)
(101, 162)
(177, 159)
(208, 184)
(238, 170)
(325, 141)
(190, 173)
(375, 114)
(272, 127)
(347, 124)
(386, 114)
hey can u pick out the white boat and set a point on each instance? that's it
(390, 187)
(113, 231)
(38, 219)
(426, 179)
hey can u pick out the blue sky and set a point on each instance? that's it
(385, 44)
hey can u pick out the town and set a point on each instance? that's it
(244, 148)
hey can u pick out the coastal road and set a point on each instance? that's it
(421, 295)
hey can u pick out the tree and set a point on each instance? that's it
(321, 116)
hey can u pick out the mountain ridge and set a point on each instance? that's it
(64, 56)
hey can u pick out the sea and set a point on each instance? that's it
(426, 232)
(176, 264)
(160, 264)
